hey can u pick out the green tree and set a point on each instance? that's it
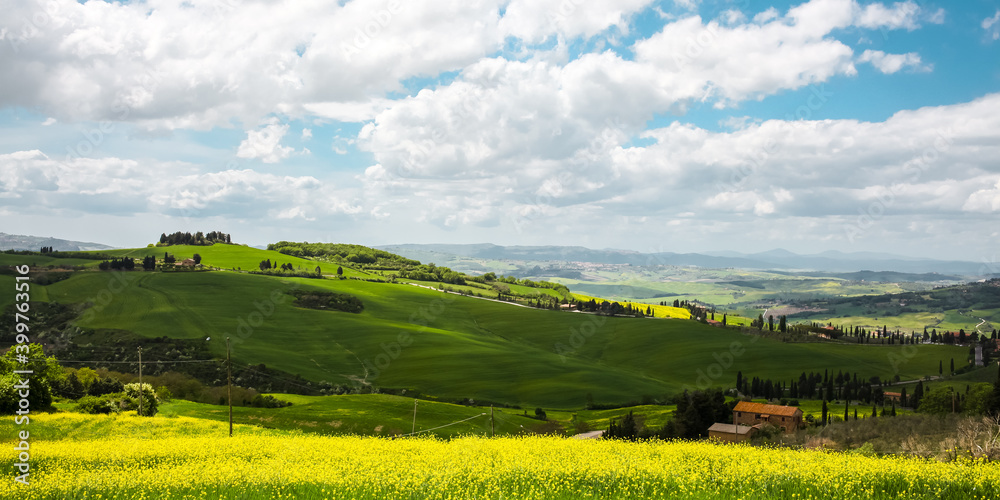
(46, 372)
(626, 429)
(87, 377)
(937, 402)
(978, 399)
(993, 403)
(340, 271)
(825, 409)
(196, 257)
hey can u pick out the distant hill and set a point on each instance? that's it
(24, 242)
(778, 259)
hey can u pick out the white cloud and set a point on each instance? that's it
(265, 143)
(341, 144)
(768, 15)
(901, 15)
(171, 65)
(204, 64)
(992, 25)
(36, 183)
(533, 21)
(891, 63)
(928, 163)
(984, 200)
(521, 116)
(49, 121)
(307, 134)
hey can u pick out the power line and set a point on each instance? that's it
(134, 362)
(445, 425)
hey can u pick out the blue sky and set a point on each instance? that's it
(654, 126)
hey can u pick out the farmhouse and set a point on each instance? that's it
(186, 263)
(730, 433)
(893, 396)
(788, 418)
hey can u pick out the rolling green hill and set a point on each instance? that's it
(446, 345)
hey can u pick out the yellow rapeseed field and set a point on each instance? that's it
(127, 457)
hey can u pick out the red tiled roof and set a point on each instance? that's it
(784, 411)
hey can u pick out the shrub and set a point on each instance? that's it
(268, 401)
(150, 405)
(103, 404)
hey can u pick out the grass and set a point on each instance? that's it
(450, 346)
(722, 287)
(238, 257)
(367, 414)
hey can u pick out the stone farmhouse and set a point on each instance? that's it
(788, 418)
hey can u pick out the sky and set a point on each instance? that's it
(656, 126)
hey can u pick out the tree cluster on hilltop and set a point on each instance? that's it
(342, 252)
(122, 264)
(198, 238)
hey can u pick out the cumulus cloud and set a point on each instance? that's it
(522, 117)
(171, 65)
(900, 15)
(198, 65)
(39, 184)
(535, 20)
(891, 63)
(508, 128)
(984, 200)
(924, 163)
(265, 144)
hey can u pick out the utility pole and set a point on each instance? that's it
(414, 428)
(493, 427)
(140, 381)
(229, 377)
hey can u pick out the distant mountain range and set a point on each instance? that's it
(862, 265)
(782, 260)
(35, 243)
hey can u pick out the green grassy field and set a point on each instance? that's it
(365, 414)
(457, 346)
(724, 288)
(446, 345)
